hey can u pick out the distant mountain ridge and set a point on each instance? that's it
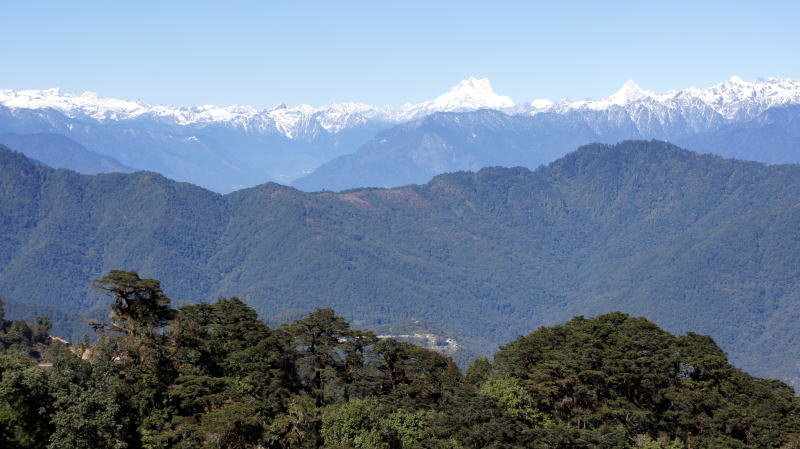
(292, 122)
(226, 148)
(734, 99)
(416, 151)
(695, 242)
(543, 130)
(58, 151)
(223, 148)
(772, 137)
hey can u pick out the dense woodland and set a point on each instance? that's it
(213, 375)
(692, 242)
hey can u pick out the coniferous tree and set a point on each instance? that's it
(139, 304)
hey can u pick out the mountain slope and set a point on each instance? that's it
(58, 151)
(226, 148)
(223, 148)
(417, 151)
(695, 242)
(772, 137)
(706, 120)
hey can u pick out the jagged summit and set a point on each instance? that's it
(733, 99)
(628, 93)
(469, 94)
(739, 99)
(472, 93)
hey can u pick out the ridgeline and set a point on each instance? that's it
(692, 242)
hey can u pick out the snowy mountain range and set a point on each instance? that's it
(734, 99)
(228, 147)
(541, 131)
(470, 94)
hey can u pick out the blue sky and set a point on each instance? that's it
(264, 53)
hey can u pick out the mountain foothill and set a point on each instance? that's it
(693, 242)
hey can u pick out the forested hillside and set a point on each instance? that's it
(211, 375)
(693, 242)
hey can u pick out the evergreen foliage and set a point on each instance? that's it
(217, 377)
(138, 303)
(693, 242)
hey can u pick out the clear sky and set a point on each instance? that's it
(267, 52)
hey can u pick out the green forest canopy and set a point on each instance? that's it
(692, 242)
(212, 375)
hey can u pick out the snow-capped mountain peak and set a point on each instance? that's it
(471, 93)
(738, 99)
(734, 99)
(468, 95)
(88, 103)
(629, 93)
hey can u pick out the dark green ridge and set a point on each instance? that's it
(693, 242)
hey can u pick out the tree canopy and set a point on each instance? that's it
(138, 303)
(213, 375)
